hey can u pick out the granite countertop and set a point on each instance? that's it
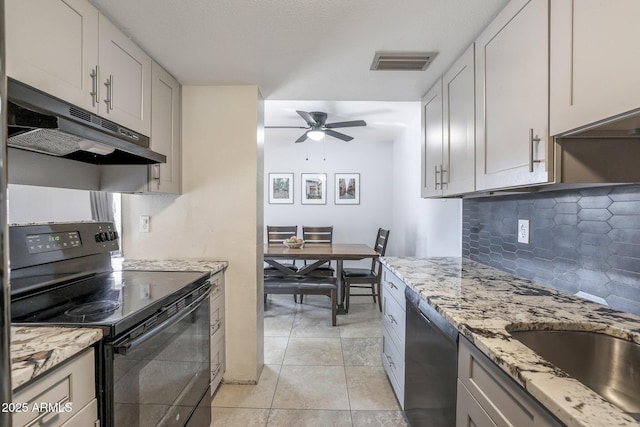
(175, 265)
(481, 301)
(36, 349)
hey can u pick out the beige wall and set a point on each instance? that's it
(219, 214)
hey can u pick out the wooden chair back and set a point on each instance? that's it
(276, 234)
(380, 246)
(318, 234)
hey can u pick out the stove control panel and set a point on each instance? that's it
(46, 242)
(36, 244)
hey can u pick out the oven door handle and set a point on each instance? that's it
(126, 345)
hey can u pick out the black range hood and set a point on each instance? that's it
(45, 124)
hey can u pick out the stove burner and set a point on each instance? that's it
(93, 310)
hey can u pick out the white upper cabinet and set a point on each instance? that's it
(432, 160)
(69, 50)
(448, 132)
(53, 46)
(125, 78)
(594, 61)
(512, 103)
(458, 84)
(165, 131)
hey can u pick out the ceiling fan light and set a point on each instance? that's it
(315, 135)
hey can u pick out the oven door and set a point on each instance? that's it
(160, 377)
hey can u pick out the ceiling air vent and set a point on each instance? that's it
(402, 61)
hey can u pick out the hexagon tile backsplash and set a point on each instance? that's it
(585, 240)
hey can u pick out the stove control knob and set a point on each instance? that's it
(99, 237)
(112, 235)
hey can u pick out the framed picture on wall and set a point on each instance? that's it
(347, 189)
(314, 188)
(281, 188)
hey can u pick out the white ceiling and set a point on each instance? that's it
(297, 50)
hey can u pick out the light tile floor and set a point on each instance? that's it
(314, 374)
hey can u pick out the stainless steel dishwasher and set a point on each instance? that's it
(431, 366)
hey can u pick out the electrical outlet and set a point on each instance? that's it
(144, 223)
(523, 231)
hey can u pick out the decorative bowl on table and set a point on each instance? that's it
(293, 244)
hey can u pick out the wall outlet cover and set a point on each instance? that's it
(523, 231)
(144, 223)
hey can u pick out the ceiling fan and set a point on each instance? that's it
(317, 126)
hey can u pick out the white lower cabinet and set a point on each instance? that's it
(217, 324)
(488, 397)
(393, 331)
(64, 396)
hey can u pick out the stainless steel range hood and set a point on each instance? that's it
(45, 124)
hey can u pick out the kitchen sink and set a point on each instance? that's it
(608, 365)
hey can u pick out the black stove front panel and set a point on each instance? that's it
(116, 300)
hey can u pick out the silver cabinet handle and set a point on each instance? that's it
(109, 99)
(436, 177)
(94, 86)
(390, 361)
(216, 371)
(215, 327)
(40, 417)
(391, 285)
(156, 175)
(532, 140)
(442, 172)
(390, 318)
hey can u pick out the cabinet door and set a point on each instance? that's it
(53, 46)
(459, 156)
(594, 61)
(469, 413)
(125, 79)
(512, 102)
(432, 142)
(165, 131)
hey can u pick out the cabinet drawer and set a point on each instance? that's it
(88, 416)
(217, 363)
(217, 285)
(394, 318)
(393, 363)
(501, 398)
(392, 285)
(469, 413)
(72, 383)
(217, 317)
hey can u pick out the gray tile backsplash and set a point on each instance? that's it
(580, 240)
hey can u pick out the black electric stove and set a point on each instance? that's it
(152, 321)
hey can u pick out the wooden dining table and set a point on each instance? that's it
(274, 254)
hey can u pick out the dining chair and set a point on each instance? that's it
(368, 278)
(276, 234)
(318, 235)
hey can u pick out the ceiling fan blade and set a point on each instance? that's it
(346, 124)
(302, 138)
(338, 135)
(307, 117)
(286, 127)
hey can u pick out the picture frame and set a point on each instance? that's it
(314, 188)
(347, 189)
(280, 188)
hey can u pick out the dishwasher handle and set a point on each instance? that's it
(430, 315)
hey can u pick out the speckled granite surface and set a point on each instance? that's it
(35, 349)
(481, 301)
(175, 265)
